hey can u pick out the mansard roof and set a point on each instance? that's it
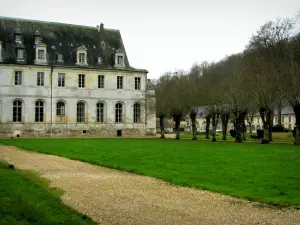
(62, 39)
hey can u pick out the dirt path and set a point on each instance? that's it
(113, 197)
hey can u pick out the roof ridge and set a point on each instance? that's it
(44, 21)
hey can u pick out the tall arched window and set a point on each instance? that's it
(119, 112)
(60, 109)
(17, 111)
(80, 112)
(100, 112)
(136, 113)
(39, 111)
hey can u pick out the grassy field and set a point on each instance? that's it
(265, 173)
(25, 199)
(277, 137)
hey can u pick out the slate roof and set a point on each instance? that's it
(62, 39)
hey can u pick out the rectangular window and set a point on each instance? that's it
(18, 38)
(20, 53)
(137, 83)
(257, 120)
(61, 80)
(290, 119)
(119, 82)
(17, 111)
(100, 81)
(81, 78)
(120, 60)
(40, 79)
(82, 57)
(18, 77)
(37, 39)
(41, 54)
(282, 119)
(60, 58)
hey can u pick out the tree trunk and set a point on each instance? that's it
(224, 119)
(177, 125)
(207, 127)
(214, 123)
(243, 126)
(238, 129)
(194, 130)
(271, 118)
(296, 108)
(266, 123)
(162, 126)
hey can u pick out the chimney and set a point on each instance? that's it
(102, 36)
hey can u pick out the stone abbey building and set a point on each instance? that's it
(62, 79)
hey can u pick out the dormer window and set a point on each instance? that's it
(119, 60)
(40, 54)
(60, 58)
(18, 38)
(81, 56)
(37, 39)
(20, 54)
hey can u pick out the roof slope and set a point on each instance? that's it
(62, 39)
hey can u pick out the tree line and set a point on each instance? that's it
(262, 78)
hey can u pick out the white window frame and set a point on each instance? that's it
(117, 63)
(100, 112)
(17, 111)
(60, 58)
(120, 82)
(61, 82)
(40, 47)
(137, 83)
(18, 38)
(60, 108)
(81, 80)
(20, 54)
(137, 113)
(40, 79)
(41, 54)
(81, 50)
(101, 81)
(119, 112)
(18, 75)
(37, 39)
(99, 60)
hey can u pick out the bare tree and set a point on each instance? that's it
(161, 94)
(176, 103)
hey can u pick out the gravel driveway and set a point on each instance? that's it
(114, 197)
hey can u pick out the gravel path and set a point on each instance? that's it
(113, 197)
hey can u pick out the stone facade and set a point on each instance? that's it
(39, 112)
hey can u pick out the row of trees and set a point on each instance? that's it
(262, 78)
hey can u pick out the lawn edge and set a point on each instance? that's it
(252, 200)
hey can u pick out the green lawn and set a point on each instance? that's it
(266, 173)
(24, 199)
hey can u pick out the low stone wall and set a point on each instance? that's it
(45, 130)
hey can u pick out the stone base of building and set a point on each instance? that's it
(57, 130)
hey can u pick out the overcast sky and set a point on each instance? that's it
(162, 35)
